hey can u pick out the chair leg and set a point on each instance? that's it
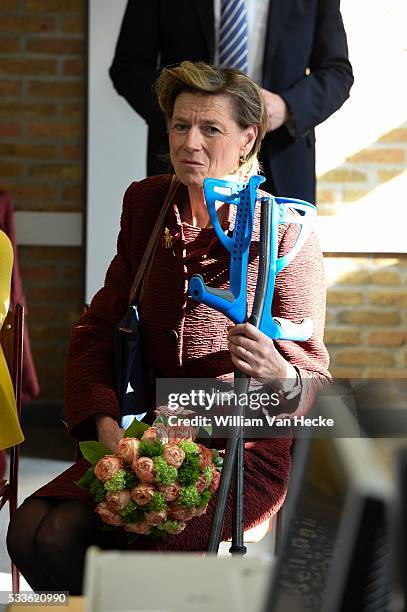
(15, 579)
(15, 574)
(278, 528)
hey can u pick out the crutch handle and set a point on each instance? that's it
(231, 302)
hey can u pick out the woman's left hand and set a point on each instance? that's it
(255, 354)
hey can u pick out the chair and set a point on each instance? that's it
(11, 339)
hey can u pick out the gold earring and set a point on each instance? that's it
(243, 158)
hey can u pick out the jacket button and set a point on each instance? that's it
(173, 336)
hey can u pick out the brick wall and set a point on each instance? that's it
(41, 125)
(366, 331)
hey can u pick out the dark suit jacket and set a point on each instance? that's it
(303, 36)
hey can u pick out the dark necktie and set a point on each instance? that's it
(233, 35)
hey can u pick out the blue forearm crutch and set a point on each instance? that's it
(233, 303)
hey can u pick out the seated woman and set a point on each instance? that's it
(10, 430)
(217, 120)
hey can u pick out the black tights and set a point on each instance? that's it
(47, 540)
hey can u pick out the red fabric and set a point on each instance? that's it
(199, 348)
(30, 381)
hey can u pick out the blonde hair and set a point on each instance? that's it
(247, 100)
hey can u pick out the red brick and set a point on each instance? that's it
(343, 372)
(72, 192)
(52, 254)
(359, 357)
(58, 46)
(10, 5)
(8, 169)
(387, 175)
(28, 66)
(9, 44)
(23, 24)
(378, 156)
(73, 272)
(390, 373)
(41, 274)
(388, 298)
(59, 6)
(14, 149)
(74, 152)
(345, 175)
(55, 294)
(47, 129)
(345, 297)
(396, 135)
(342, 335)
(72, 109)
(10, 130)
(60, 171)
(31, 192)
(10, 88)
(74, 24)
(369, 317)
(73, 67)
(388, 337)
(26, 109)
(55, 89)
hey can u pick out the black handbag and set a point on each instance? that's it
(130, 374)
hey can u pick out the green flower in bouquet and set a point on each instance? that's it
(157, 504)
(164, 474)
(132, 513)
(150, 449)
(189, 497)
(189, 472)
(118, 482)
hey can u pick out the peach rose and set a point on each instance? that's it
(173, 454)
(107, 467)
(107, 516)
(200, 483)
(180, 513)
(142, 493)
(170, 492)
(143, 468)
(117, 500)
(127, 450)
(155, 518)
(181, 432)
(205, 457)
(142, 528)
(215, 480)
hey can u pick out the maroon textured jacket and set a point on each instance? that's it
(186, 339)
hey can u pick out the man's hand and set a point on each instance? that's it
(277, 110)
(108, 431)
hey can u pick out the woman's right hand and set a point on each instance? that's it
(108, 431)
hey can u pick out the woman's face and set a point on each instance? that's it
(205, 140)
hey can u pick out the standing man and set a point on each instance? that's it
(295, 50)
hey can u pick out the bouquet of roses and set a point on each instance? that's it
(157, 479)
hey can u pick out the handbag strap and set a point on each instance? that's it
(153, 240)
